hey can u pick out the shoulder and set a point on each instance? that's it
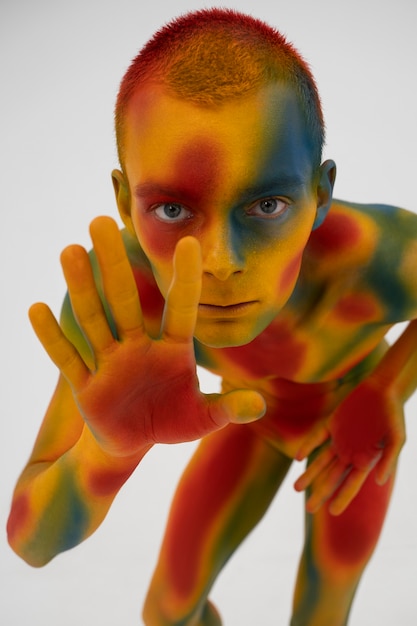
(352, 233)
(375, 242)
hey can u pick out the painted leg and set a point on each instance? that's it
(336, 552)
(224, 492)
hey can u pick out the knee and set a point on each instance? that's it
(210, 616)
(155, 614)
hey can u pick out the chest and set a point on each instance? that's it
(316, 349)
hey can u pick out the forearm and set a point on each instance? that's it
(58, 504)
(397, 370)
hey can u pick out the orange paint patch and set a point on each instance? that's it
(289, 275)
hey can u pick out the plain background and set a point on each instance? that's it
(61, 63)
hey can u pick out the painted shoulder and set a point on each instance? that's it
(377, 242)
(353, 231)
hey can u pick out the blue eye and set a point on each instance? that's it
(268, 207)
(171, 212)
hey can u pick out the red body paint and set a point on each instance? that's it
(151, 300)
(276, 351)
(357, 308)
(105, 483)
(198, 170)
(189, 525)
(338, 234)
(352, 536)
(18, 516)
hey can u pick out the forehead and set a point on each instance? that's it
(171, 138)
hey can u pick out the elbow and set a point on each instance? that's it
(21, 542)
(26, 550)
(29, 551)
(31, 557)
(34, 560)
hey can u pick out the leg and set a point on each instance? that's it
(224, 492)
(336, 552)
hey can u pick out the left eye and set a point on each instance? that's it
(171, 212)
(269, 207)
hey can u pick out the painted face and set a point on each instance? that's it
(238, 177)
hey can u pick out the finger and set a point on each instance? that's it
(59, 348)
(387, 464)
(118, 281)
(183, 296)
(238, 407)
(85, 301)
(325, 486)
(316, 439)
(323, 460)
(348, 491)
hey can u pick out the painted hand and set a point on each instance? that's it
(141, 390)
(366, 432)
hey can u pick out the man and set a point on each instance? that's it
(234, 255)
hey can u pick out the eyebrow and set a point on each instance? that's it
(281, 183)
(278, 184)
(150, 188)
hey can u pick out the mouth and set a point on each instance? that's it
(226, 310)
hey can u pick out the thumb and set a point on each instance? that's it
(239, 407)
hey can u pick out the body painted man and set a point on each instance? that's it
(235, 256)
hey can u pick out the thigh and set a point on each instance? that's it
(225, 490)
(336, 552)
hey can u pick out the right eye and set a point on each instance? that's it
(171, 212)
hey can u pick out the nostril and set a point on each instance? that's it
(222, 273)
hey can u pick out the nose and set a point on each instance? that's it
(221, 251)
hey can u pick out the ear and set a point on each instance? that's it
(326, 178)
(121, 190)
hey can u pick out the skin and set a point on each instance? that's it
(244, 263)
(219, 191)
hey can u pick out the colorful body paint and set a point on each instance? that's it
(323, 336)
(215, 172)
(283, 293)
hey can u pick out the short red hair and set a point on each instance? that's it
(211, 55)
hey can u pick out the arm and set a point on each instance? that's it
(397, 370)
(365, 433)
(67, 486)
(114, 400)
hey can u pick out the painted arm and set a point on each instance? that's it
(112, 406)
(365, 433)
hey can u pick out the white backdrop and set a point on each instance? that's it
(61, 63)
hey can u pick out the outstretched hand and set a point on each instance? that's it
(141, 390)
(365, 433)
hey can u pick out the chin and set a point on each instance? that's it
(223, 334)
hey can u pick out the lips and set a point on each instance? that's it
(226, 310)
